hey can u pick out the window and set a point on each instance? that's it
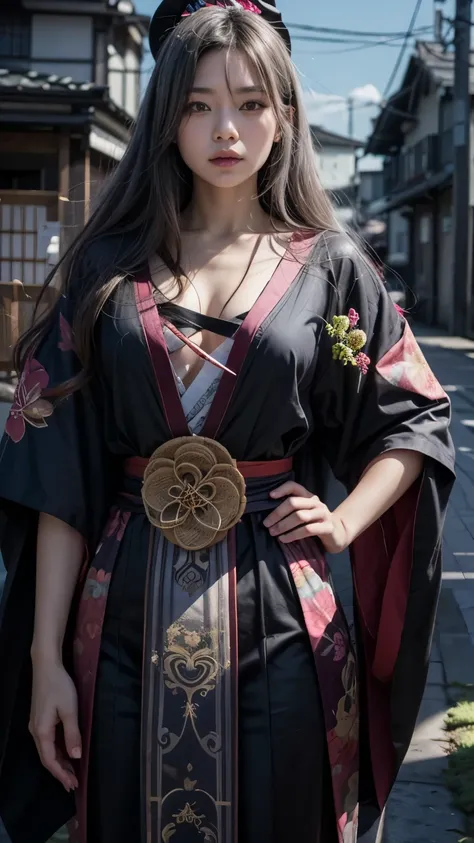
(21, 180)
(124, 76)
(425, 229)
(401, 242)
(14, 36)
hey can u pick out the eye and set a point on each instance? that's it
(253, 105)
(197, 107)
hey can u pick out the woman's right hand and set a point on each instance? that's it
(53, 704)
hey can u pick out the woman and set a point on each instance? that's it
(217, 338)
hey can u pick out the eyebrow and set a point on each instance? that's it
(248, 89)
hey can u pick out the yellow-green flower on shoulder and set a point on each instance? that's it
(349, 341)
(356, 339)
(339, 327)
(341, 352)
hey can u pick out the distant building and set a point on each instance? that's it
(371, 227)
(336, 159)
(371, 189)
(414, 132)
(69, 91)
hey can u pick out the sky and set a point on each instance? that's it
(329, 71)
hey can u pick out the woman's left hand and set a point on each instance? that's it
(303, 515)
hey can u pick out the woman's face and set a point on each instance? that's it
(227, 113)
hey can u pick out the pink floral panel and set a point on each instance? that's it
(28, 405)
(405, 366)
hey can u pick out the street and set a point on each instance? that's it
(420, 809)
(420, 806)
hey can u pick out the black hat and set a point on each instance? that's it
(170, 12)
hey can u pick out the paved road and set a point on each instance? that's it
(420, 808)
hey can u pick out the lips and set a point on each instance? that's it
(223, 154)
(225, 159)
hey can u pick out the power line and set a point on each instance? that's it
(365, 34)
(408, 35)
(323, 39)
(362, 46)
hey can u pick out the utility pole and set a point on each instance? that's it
(462, 264)
(350, 116)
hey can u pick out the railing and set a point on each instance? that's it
(17, 306)
(418, 162)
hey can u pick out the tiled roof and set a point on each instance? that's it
(324, 136)
(33, 80)
(440, 63)
(429, 60)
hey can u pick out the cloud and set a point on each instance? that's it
(318, 105)
(366, 94)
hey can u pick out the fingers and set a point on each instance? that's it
(51, 758)
(291, 488)
(294, 504)
(72, 735)
(301, 515)
(300, 518)
(321, 528)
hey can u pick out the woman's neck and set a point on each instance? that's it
(221, 212)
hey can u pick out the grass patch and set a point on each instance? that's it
(461, 716)
(460, 772)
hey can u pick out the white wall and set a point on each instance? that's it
(123, 79)
(336, 166)
(132, 82)
(427, 118)
(116, 76)
(58, 38)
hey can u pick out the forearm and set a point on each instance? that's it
(60, 551)
(384, 482)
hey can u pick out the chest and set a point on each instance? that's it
(283, 348)
(272, 365)
(221, 282)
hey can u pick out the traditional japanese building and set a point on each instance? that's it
(69, 92)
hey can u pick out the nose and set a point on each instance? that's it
(225, 128)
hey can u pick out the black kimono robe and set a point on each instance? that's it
(217, 622)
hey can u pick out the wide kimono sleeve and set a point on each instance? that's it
(393, 402)
(53, 459)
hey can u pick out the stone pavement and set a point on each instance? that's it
(420, 807)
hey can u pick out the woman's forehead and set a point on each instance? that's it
(227, 69)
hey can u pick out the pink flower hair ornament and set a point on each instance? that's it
(246, 5)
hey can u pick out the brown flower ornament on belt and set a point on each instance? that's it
(193, 491)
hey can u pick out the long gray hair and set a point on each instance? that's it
(151, 186)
